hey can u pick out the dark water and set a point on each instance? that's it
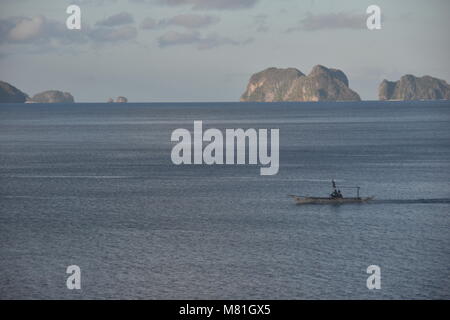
(93, 185)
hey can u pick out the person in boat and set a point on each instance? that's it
(334, 194)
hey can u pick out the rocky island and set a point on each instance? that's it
(52, 96)
(10, 94)
(121, 100)
(321, 84)
(118, 100)
(410, 87)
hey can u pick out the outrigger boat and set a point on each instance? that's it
(335, 197)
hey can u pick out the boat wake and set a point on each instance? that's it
(409, 201)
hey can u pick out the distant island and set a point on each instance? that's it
(276, 85)
(410, 87)
(10, 94)
(321, 84)
(118, 100)
(52, 96)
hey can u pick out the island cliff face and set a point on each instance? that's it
(410, 87)
(121, 100)
(321, 84)
(53, 96)
(10, 94)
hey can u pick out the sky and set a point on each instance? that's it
(206, 50)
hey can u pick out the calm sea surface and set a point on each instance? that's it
(93, 185)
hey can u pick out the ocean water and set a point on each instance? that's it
(93, 185)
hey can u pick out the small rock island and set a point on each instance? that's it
(410, 87)
(321, 84)
(118, 100)
(121, 100)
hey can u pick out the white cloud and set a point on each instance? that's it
(27, 29)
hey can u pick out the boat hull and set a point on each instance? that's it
(317, 200)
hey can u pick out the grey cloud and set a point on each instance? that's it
(260, 21)
(177, 38)
(38, 30)
(149, 23)
(212, 4)
(122, 33)
(91, 2)
(189, 21)
(192, 20)
(116, 20)
(342, 20)
(215, 40)
(41, 31)
(173, 38)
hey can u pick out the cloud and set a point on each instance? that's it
(342, 20)
(260, 22)
(92, 2)
(193, 20)
(116, 20)
(173, 38)
(122, 33)
(212, 4)
(189, 21)
(38, 30)
(43, 32)
(27, 29)
(149, 23)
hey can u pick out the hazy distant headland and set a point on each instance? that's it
(10, 94)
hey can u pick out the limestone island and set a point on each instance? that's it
(118, 100)
(410, 87)
(321, 84)
(121, 100)
(52, 96)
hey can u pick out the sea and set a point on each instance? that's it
(93, 185)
